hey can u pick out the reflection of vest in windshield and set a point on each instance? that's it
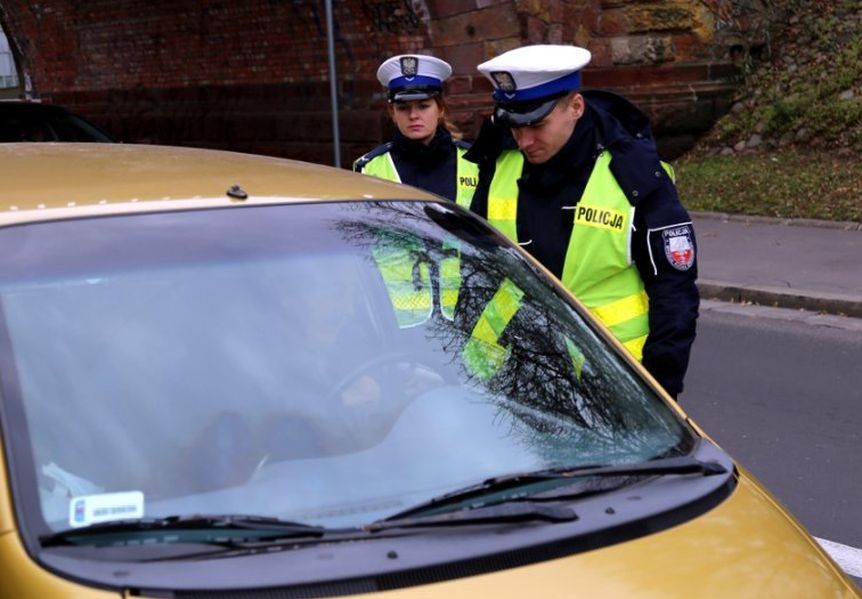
(483, 353)
(406, 268)
(408, 282)
(598, 268)
(466, 174)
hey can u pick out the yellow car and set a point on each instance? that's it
(225, 375)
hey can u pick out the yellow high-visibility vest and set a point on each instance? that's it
(466, 173)
(598, 267)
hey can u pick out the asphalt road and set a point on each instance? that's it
(781, 391)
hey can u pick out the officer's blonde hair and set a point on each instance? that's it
(451, 127)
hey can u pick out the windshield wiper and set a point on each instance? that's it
(497, 513)
(498, 484)
(215, 529)
(661, 466)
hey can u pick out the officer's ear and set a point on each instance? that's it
(577, 105)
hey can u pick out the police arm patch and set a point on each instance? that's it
(679, 246)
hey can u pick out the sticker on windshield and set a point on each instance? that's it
(105, 507)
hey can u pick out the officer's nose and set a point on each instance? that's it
(523, 137)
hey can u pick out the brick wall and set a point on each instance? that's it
(252, 75)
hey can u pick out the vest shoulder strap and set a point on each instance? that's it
(360, 162)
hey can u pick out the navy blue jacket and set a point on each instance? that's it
(430, 167)
(661, 223)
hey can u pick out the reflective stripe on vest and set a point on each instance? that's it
(503, 194)
(483, 354)
(598, 268)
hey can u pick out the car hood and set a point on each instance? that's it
(746, 547)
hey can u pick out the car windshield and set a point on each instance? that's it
(328, 363)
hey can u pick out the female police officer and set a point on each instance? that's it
(426, 150)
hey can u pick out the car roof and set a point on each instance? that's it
(65, 180)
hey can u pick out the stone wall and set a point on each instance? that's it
(252, 75)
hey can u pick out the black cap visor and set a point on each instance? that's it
(419, 92)
(524, 114)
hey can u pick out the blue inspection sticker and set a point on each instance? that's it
(105, 507)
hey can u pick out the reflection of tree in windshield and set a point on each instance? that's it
(557, 382)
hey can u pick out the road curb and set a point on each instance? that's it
(830, 303)
(769, 220)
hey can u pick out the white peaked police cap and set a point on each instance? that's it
(529, 80)
(413, 76)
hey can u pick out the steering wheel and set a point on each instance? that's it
(388, 366)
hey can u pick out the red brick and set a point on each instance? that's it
(463, 57)
(440, 9)
(459, 85)
(496, 47)
(601, 51)
(487, 24)
(254, 73)
(688, 47)
(614, 22)
(536, 31)
(481, 85)
(556, 11)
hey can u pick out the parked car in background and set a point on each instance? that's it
(34, 121)
(225, 375)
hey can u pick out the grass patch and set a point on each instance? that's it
(791, 147)
(783, 184)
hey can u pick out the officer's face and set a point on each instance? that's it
(542, 141)
(416, 119)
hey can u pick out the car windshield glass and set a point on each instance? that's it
(329, 364)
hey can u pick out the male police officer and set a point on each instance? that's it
(579, 185)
